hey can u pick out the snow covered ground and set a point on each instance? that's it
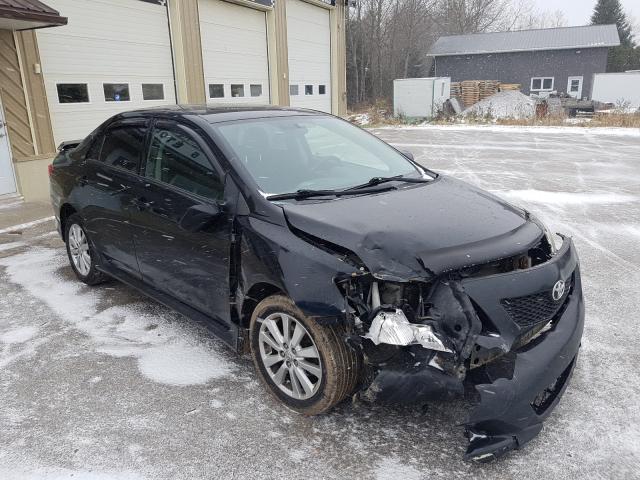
(100, 383)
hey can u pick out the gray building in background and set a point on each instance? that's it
(541, 61)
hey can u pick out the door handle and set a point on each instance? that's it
(84, 181)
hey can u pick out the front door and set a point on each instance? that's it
(574, 87)
(193, 267)
(7, 179)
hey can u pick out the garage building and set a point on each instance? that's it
(68, 65)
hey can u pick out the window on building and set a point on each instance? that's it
(541, 84)
(152, 91)
(308, 89)
(216, 90)
(122, 147)
(175, 158)
(322, 89)
(73, 92)
(293, 90)
(575, 86)
(237, 90)
(256, 90)
(116, 92)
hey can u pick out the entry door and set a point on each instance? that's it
(192, 267)
(7, 179)
(574, 87)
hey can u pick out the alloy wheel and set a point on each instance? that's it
(290, 356)
(79, 250)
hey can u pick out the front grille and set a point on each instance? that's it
(537, 308)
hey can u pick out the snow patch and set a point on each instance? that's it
(10, 246)
(182, 364)
(24, 226)
(19, 473)
(164, 353)
(613, 131)
(566, 198)
(392, 468)
(19, 335)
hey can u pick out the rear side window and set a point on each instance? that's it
(94, 149)
(175, 158)
(122, 147)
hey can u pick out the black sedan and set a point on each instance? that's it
(343, 266)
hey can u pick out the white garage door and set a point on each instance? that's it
(309, 37)
(234, 53)
(114, 55)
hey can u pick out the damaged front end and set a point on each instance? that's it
(507, 331)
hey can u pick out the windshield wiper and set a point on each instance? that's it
(379, 180)
(302, 194)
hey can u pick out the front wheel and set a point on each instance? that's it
(81, 254)
(308, 367)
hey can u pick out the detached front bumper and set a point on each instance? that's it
(512, 408)
(518, 380)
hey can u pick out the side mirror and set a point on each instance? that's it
(199, 217)
(407, 154)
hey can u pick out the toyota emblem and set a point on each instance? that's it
(558, 290)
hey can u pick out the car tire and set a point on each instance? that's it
(81, 253)
(333, 374)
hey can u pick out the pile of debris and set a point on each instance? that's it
(506, 104)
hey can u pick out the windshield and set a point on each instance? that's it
(287, 154)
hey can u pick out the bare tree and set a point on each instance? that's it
(544, 19)
(389, 39)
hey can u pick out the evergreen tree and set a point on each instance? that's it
(624, 57)
(608, 12)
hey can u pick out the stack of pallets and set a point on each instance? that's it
(488, 88)
(470, 92)
(509, 86)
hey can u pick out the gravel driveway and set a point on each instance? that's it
(101, 383)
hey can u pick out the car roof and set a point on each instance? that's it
(220, 113)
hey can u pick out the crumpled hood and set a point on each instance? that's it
(420, 231)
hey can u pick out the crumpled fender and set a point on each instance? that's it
(270, 253)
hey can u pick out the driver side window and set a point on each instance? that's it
(176, 159)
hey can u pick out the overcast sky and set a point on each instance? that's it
(578, 12)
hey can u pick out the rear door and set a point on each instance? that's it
(181, 172)
(105, 191)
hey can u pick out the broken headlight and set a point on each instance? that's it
(393, 328)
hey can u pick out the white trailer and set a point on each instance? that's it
(617, 88)
(420, 97)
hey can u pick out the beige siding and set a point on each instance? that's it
(282, 52)
(187, 50)
(13, 98)
(36, 94)
(339, 65)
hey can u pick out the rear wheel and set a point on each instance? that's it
(307, 366)
(81, 254)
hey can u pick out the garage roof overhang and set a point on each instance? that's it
(28, 14)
